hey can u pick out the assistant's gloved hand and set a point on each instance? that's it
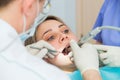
(112, 55)
(44, 46)
(85, 58)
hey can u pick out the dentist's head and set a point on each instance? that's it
(22, 14)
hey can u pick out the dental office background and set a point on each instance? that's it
(79, 15)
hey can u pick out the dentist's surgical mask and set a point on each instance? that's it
(40, 17)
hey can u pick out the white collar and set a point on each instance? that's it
(7, 34)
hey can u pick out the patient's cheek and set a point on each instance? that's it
(60, 57)
(61, 60)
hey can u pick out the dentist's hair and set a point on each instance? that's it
(4, 3)
(33, 39)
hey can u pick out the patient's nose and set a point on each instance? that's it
(64, 38)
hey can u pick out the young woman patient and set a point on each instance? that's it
(58, 34)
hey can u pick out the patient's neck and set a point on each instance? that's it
(68, 69)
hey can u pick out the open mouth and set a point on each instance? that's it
(66, 50)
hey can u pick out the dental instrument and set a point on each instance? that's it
(94, 32)
(49, 50)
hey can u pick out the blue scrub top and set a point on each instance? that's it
(109, 15)
(107, 73)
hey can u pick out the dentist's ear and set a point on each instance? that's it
(27, 5)
(29, 10)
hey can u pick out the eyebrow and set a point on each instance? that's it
(51, 29)
(46, 32)
(61, 25)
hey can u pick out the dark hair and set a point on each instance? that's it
(32, 39)
(4, 3)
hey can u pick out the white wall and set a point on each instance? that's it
(65, 9)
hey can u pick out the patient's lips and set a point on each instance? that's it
(66, 50)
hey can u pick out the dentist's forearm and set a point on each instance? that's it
(91, 75)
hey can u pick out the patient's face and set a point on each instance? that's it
(59, 36)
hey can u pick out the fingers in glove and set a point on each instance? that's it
(101, 47)
(46, 45)
(74, 46)
(85, 45)
(49, 47)
(106, 61)
(42, 53)
(70, 55)
(72, 59)
(50, 55)
(53, 52)
(31, 50)
(101, 51)
(103, 56)
(46, 56)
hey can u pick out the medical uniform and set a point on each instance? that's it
(109, 16)
(107, 73)
(17, 64)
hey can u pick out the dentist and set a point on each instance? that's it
(16, 17)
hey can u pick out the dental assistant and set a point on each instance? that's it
(109, 15)
(16, 16)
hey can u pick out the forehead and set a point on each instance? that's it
(50, 24)
(47, 25)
